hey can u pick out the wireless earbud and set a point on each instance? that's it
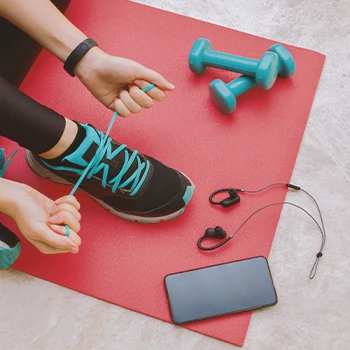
(217, 232)
(233, 197)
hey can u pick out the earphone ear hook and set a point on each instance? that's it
(217, 233)
(226, 202)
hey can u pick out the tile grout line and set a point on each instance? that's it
(225, 13)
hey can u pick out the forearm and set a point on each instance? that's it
(44, 23)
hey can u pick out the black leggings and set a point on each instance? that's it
(22, 119)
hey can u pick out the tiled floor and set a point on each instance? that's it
(310, 314)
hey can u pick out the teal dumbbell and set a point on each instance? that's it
(224, 95)
(276, 61)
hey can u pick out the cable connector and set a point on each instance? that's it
(293, 187)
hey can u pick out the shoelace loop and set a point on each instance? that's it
(95, 164)
(105, 149)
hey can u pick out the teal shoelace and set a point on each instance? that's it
(95, 166)
(105, 148)
(3, 165)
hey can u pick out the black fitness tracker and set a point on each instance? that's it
(77, 54)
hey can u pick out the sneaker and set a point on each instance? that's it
(10, 247)
(131, 185)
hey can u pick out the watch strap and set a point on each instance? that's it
(77, 54)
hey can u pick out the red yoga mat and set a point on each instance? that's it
(124, 263)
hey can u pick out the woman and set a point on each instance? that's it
(130, 184)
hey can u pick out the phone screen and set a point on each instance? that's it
(220, 290)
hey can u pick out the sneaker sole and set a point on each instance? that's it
(46, 174)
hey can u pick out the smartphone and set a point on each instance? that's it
(219, 290)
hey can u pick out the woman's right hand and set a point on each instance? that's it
(41, 220)
(117, 82)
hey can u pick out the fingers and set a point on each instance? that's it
(64, 207)
(65, 217)
(65, 211)
(129, 102)
(126, 104)
(46, 249)
(155, 93)
(142, 98)
(52, 243)
(120, 108)
(60, 242)
(153, 77)
(61, 230)
(133, 100)
(69, 200)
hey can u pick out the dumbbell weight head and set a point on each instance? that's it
(197, 54)
(267, 70)
(224, 95)
(286, 61)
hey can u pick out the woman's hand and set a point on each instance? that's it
(114, 81)
(117, 82)
(40, 219)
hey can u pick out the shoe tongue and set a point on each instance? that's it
(116, 164)
(82, 156)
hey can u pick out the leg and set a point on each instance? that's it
(32, 125)
(14, 66)
(128, 183)
(18, 50)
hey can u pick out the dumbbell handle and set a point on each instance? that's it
(241, 85)
(244, 65)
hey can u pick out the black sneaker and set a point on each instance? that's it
(131, 185)
(10, 247)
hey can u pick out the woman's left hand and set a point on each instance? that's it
(117, 82)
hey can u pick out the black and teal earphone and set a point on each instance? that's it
(233, 198)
